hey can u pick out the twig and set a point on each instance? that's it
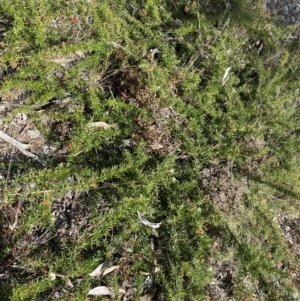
(12, 227)
(6, 181)
(116, 45)
(30, 192)
(8, 104)
(23, 148)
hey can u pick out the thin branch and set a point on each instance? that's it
(12, 227)
(23, 148)
(6, 181)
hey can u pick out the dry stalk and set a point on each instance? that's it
(23, 148)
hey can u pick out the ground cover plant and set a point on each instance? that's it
(136, 113)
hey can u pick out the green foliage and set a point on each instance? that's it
(217, 162)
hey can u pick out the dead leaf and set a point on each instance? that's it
(98, 271)
(100, 291)
(100, 124)
(146, 297)
(65, 148)
(110, 269)
(122, 292)
(74, 19)
(225, 76)
(144, 221)
(156, 270)
(80, 54)
(68, 61)
(70, 284)
(52, 276)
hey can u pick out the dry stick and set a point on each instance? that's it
(6, 181)
(23, 148)
(12, 227)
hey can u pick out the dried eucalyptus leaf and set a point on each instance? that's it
(144, 221)
(100, 291)
(70, 284)
(146, 297)
(52, 276)
(122, 291)
(225, 76)
(100, 124)
(98, 271)
(111, 269)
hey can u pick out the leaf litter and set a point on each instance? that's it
(99, 124)
(100, 269)
(144, 221)
(100, 291)
(127, 289)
